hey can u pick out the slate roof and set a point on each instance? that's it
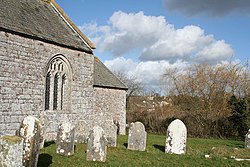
(103, 77)
(43, 20)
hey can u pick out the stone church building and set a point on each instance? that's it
(48, 66)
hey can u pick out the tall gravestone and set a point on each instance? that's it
(65, 139)
(247, 139)
(137, 137)
(81, 132)
(11, 149)
(30, 130)
(44, 123)
(97, 145)
(176, 138)
(110, 130)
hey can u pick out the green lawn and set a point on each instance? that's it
(220, 152)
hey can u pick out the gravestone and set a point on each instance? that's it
(176, 138)
(110, 131)
(96, 145)
(137, 137)
(247, 139)
(44, 122)
(65, 139)
(81, 132)
(30, 130)
(11, 149)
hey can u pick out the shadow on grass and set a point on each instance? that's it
(48, 143)
(125, 145)
(44, 160)
(236, 145)
(159, 147)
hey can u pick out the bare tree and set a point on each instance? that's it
(135, 87)
(203, 91)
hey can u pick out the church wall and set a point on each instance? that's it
(23, 64)
(110, 105)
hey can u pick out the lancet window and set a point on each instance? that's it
(58, 84)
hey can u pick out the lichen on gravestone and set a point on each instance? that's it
(30, 130)
(11, 151)
(81, 132)
(97, 145)
(176, 138)
(44, 123)
(137, 137)
(65, 139)
(110, 131)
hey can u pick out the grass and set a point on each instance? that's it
(220, 152)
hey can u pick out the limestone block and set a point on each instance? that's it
(247, 140)
(176, 138)
(65, 139)
(81, 132)
(137, 137)
(30, 130)
(11, 149)
(97, 145)
(110, 130)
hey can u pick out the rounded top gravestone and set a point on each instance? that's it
(176, 138)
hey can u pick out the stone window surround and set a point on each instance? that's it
(58, 81)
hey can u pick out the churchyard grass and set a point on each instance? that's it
(220, 152)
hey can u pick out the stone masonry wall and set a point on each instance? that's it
(23, 64)
(110, 105)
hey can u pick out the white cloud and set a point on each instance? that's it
(155, 43)
(216, 52)
(156, 39)
(150, 73)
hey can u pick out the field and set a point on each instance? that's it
(220, 151)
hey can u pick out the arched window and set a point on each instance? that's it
(58, 84)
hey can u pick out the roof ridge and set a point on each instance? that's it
(66, 17)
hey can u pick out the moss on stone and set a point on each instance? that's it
(11, 139)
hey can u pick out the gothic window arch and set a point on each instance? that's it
(58, 84)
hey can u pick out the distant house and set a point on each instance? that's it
(48, 65)
(148, 103)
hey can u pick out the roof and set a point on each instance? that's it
(103, 77)
(43, 20)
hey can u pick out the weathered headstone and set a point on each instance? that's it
(137, 137)
(97, 145)
(110, 131)
(176, 138)
(65, 139)
(44, 122)
(30, 130)
(81, 132)
(247, 139)
(11, 151)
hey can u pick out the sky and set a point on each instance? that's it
(142, 38)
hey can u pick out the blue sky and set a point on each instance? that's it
(144, 37)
